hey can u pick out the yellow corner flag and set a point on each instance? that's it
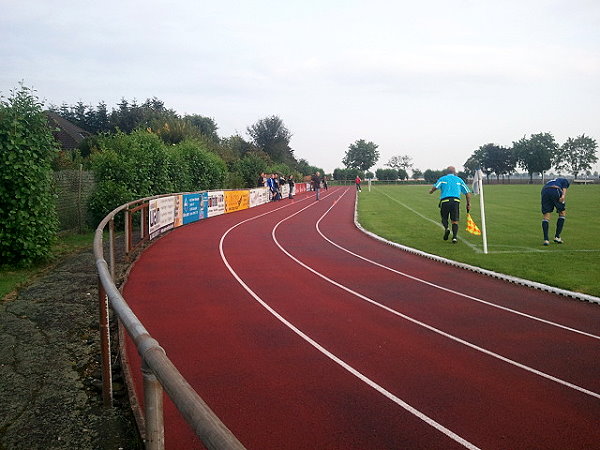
(472, 226)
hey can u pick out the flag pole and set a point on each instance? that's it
(482, 208)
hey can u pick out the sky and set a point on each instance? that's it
(431, 79)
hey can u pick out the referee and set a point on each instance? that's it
(451, 187)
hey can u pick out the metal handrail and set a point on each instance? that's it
(158, 370)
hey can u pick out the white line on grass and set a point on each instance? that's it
(429, 421)
(472, 246)
(451, 291)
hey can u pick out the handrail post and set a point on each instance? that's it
(111, 246)
(107, 391)
(127, 230)
(153, 407)
(142, 224)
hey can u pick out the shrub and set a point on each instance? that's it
(28, 220)
(127, 167)
(197, 168)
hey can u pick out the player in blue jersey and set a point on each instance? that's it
(451, 187)
(553, 196)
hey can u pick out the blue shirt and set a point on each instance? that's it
(451, 186)
(561, 183)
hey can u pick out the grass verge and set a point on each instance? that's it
(12, 278)
(409, 215)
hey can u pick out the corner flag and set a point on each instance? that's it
(472, 226)
(478, 189)
(476, 178)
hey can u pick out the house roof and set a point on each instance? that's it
(68, 135)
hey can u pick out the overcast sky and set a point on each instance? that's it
(433, 79)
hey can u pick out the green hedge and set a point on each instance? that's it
(28, 220)
(137, 165)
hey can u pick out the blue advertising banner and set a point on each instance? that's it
(191, 208)
(204, 205)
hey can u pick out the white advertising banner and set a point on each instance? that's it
(259, 196)
(216, 203)
(161, 215)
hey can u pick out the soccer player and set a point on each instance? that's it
(553, 196)
(451, 187)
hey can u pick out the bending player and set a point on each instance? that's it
(553, 196)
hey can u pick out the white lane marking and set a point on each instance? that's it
(467, 243)
(428, 283)
(429, 421)
(424, 325)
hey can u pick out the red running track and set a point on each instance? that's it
(301, 332)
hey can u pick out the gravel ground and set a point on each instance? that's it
(50, 388)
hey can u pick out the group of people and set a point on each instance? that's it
(275, 182)
(452, 187)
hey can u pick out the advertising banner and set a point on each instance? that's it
(161, 215)
(178, 221)
(203, 205)
(284, 190)
(259, 196)
(192, 207)
(236, 200)
(215, 203)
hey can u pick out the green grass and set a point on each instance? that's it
(409, 215)
(12, 278)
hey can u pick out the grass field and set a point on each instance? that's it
(410, 216)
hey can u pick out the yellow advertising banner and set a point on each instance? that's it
(236, 200)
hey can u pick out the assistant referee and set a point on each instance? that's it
(451, 187)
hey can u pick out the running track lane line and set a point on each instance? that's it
(422, 324)
(451, 291)
(326, 352)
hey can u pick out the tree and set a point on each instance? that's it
(347, 174)
(577, 155)
(491, 158)
(403, 162)
(431, 176)
(205, 125)
(272, 137)
(535, 155)
(417, 173)
(386, 174)
(361, 155)
(28, 220)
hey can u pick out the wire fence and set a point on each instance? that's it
(72, 189)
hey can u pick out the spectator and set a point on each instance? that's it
(292, 186)
(316, 183)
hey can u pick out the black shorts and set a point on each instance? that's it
(550, 200)
(450, 207)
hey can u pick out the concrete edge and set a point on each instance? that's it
(490, 273)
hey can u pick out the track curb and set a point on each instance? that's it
(490, 273)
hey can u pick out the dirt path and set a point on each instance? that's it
(49, 366)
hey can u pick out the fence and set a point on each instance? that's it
(73, 188)
(157, 215)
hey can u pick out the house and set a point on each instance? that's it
(69, 135)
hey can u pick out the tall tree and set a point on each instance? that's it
(491, 158)
(361, 155)
(271, 136)
(535, 155)
(403, 162)
(206, 125)
(577, 155)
